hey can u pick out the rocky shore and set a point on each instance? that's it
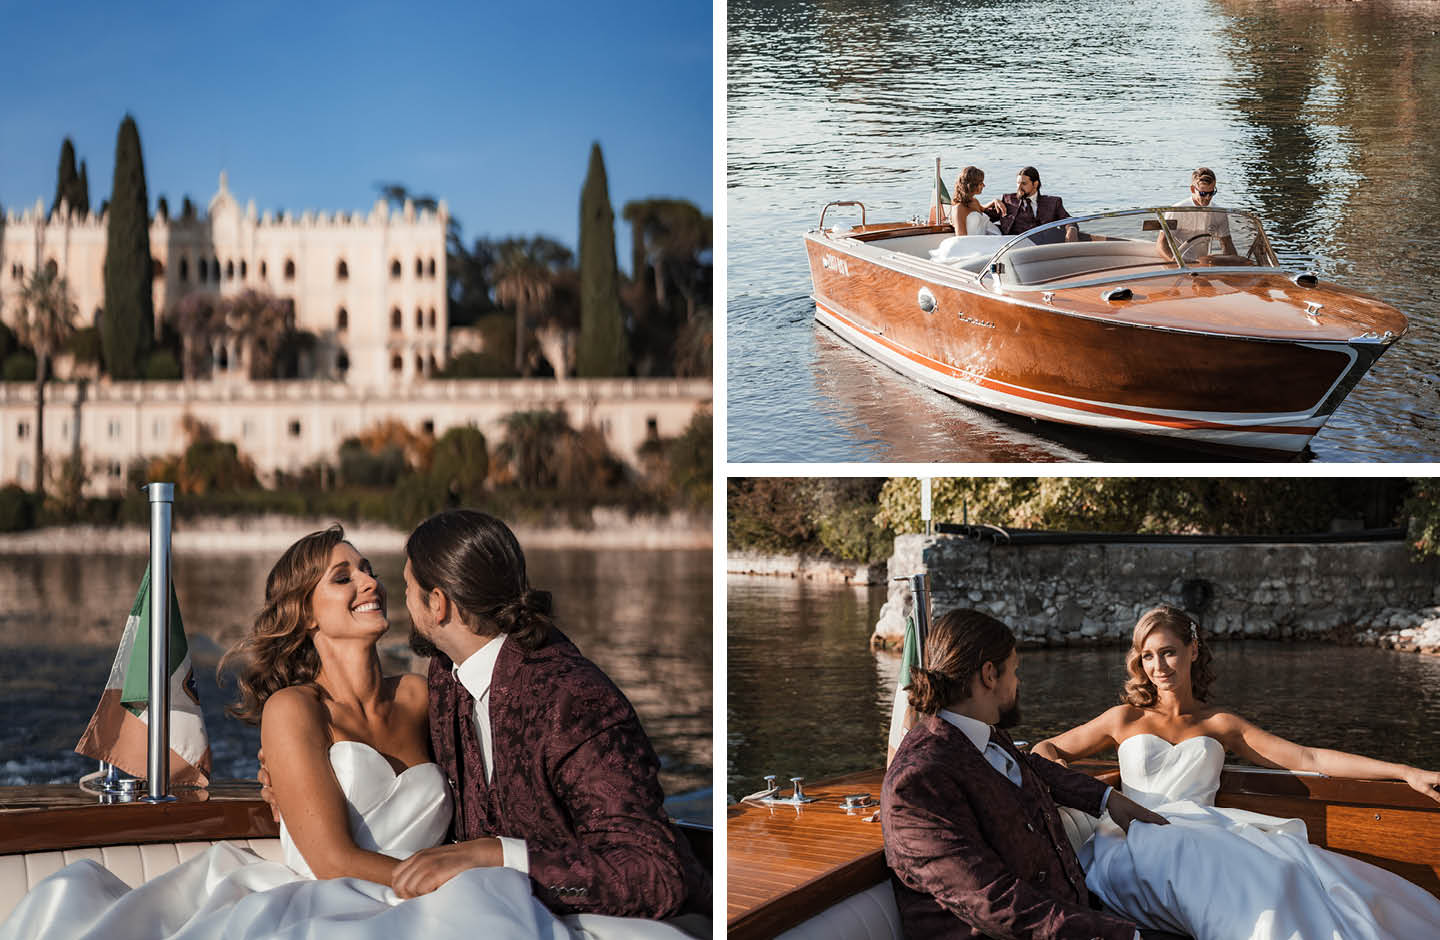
(806, 568)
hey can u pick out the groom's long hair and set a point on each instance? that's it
(961, 642)
(278, 651)
(476, 561)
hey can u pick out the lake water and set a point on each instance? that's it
(643, 616)
(808, 698)
(1319, 118)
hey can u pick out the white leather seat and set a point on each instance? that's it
(869, 915)
(132, 864)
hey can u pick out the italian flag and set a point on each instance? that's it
(939, 199)
(901, 715)
(119, 731)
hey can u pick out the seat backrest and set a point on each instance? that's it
(870, 915)
(132, 864)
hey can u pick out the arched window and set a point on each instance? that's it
(419, 319)
(184, 270)
(264, 270)
(244, 269)
(419, 268)
(215, 270)
(51, 268)
(431, 267)
(419, 364)
(200, 270)
(289, 270)
(433, 367)
(432, 318)
(157, 268)
(230, 270)
(342, 271)
(18, 272)
(395, 270)
(396, 363)
(342, 362)
(395, 318)
(342, 319)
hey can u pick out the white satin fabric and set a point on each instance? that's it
(1230, 874)
(229, 893)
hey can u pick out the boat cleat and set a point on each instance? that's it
(854, 802)
(796, 798)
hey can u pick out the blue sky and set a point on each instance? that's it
(308, 105)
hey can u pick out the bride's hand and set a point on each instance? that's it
(1425, 781)
(428, 869)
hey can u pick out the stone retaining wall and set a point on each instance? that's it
(1058, 595)
(825, 570)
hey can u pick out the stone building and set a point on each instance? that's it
(371, 288)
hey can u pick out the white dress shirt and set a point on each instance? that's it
(996, 756)
(475, 674)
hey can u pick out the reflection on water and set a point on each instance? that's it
(643, 616)
(808, 698)
(1318, 120)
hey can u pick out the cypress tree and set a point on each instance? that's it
(82, 191)
(65, 177)
(602, 351)
(129, 320)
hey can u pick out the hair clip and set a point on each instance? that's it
(1194, 634)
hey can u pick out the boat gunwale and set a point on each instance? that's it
(958, 279)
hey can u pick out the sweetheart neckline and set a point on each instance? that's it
(1173, 745)
(376, 751)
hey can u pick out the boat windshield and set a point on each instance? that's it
(1135, 242)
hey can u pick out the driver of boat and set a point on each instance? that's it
(1198, 233)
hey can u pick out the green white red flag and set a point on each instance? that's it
(939, 199)
(901, 716)
(119, 731)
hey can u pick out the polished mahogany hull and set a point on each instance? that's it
(1225, 360)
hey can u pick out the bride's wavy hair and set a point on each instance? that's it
(960, 643)
(278, 651)
(1139, 690)
(476, 561)
(966, 184)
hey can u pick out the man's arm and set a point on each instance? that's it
(947, 858)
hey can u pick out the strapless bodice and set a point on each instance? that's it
(1154, 772)
(394, 814)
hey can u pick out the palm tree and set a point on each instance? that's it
(669, 236)
(524, 276)
(47, 320)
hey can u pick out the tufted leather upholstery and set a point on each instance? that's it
(133, 864)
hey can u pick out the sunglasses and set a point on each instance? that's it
(1205, 193)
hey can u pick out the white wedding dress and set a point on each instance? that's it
(229, 893)
(1230, 874)
(982, 237)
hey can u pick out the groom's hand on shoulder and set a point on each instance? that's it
(1124, 811)
(266, 794)
(428, 869)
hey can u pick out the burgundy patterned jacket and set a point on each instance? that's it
(973, 855)
(1018, 219)
(574, 776)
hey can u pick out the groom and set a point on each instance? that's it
(973, 838)
(1026, 208)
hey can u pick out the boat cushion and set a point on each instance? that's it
(132, 864)
(869, 915)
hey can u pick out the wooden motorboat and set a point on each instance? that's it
(1173, 322)
(819, 869)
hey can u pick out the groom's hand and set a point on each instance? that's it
(428, 869)
(266, 794)
(1124, 811)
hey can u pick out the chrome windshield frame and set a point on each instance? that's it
(1159, 213)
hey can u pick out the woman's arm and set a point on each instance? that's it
(1094, 736)
(1259, 746)
(292, 734)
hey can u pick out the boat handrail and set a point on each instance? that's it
(842, 203)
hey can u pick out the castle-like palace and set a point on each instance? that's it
(370, 288)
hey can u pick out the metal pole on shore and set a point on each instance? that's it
(162, 498)
(920, 588)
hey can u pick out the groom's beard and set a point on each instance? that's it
(420, 646)
(1010, 717)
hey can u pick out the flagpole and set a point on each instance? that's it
(162, 498)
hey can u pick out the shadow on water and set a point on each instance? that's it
(1316, 118)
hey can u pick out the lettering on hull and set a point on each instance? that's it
(832, 263)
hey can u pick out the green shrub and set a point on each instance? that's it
(161, 366)
(18, 367)
(460, 464)
(17, 509)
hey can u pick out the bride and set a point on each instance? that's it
(348, 752)
(966, 213)
(1225, 873)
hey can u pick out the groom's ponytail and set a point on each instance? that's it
(960, 643)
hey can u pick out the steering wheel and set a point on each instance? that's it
(1185, 245)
